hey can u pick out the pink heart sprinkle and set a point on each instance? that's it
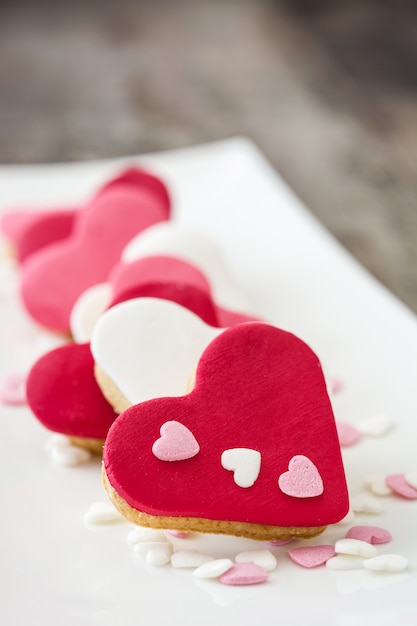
(312, 556)
(176, 443)
(400, 486)
(13, 389)
(244, 574)
(302, 479)
(370, 534)
(348, 434)
(181, 534)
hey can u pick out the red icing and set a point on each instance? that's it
(171, 279)
(54, 277)
(256, 387)
(138, 178)
(62, 392)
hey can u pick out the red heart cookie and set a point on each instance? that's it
(55, 276)
(171, 279)
(63, 394)
(259, 388)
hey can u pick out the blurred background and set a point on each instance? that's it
(327, 89)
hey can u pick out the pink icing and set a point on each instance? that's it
(54, 277)
(398, 484)
(312, 556)
(244, 574)
(370, 534)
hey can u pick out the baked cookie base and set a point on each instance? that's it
(258, 532)
(110, 390)
(93, 445)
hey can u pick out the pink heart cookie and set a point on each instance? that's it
(248, 370)
(63, 394)
(28, 230)
(55, 276)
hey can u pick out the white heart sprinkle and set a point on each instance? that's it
(65, 454)
(362, 503)
(344, 562)
(377, 485)
(355, 547)
(189, 558)
(387, 563)
(142, 534)
(102, 513)
(213, 569)
(411, 479)
(264, 558)
(348, 519)
(245, 463)
(376, 426)
(155, 553)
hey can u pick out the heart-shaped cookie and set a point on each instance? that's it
(56, 275)
(256, 387)
(63, 394)
(28, 231)
(159, 276)
(147, 348)
(173, 239)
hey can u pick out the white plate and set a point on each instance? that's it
(55, 570)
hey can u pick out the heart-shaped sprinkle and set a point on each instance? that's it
(345, 562)
(311, 556)
(245, 464)
(411, 479)
(244, 574)
(355, 547)
(62, 452)
(213, 569)
(102, 513)
(264, 558)
(376, 426)
(13, 389)
(302, 479)
(387, 563)
(156, 553)
(347, 433)
(189, 558)
(180, 534)
(144, 535)
(362, 503)
(176, 443)
(400, 486)
(335, 384)
(377, 485)
(371, 534)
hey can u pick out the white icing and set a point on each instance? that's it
(168, 238)
(245, 463)
(87, 309)
(149, 347)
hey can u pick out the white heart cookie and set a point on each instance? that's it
(168, 238)
(87, 309)
(149, 347)
(245, 463)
